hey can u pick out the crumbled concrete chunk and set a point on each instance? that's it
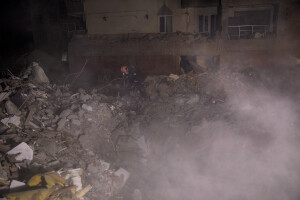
(61, 124)
(65, 113)
(39, 74)
(87, 108)
(11, 108)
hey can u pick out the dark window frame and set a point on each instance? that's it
(207, 23)
(165, 23)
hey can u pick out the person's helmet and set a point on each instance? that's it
(124, 69)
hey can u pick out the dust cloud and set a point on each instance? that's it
(251, 152)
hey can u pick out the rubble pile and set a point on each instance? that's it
(153, 37)
(166, 86)
(49, 136)
(177, 36)
(204, 84)
(56, 143)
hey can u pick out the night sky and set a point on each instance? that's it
(16, 38)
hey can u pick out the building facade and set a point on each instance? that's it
(148, 16)
(151, 34)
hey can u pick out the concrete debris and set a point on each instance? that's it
(75, 176)
(65, 113)
(58, 128)
(22, 152)
(168, 86)
(123, 175)
(4, 96)
(85, 97)
(15, 120)
(155, 37)
(38, 74)
(105, 165)
(47, 146)
(144, 145)
(61, 124)
(87, 108)
(3, 175)
(41, 186)
(173, 77)
(16, 184)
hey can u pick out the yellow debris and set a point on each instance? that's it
(35, 180)
(59, 180)
(50, 178)
(38, 194)
(50, 181)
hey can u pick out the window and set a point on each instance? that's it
(165, 24)
(207, 24)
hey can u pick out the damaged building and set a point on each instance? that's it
(150, 99)
(163, 36)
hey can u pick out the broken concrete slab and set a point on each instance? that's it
(15, 120)
(23, 150)
(16, 184)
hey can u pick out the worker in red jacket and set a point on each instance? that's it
(132, 79)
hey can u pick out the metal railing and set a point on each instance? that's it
(248, 31)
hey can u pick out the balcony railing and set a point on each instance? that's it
(248, 31)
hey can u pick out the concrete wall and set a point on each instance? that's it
(130, 16)
(153, 57)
